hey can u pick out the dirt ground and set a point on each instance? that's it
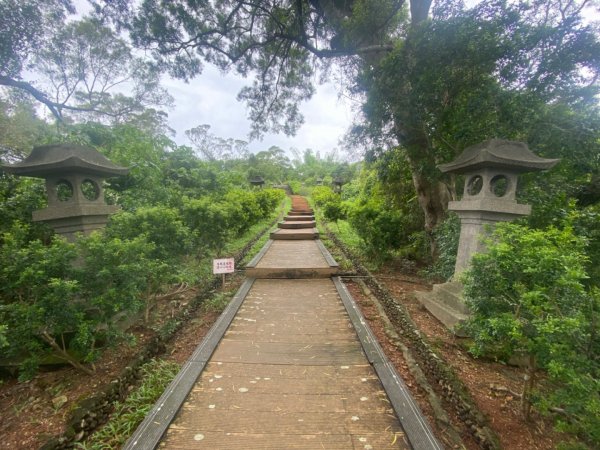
(34, 411)
(494, 387)
(31, 412)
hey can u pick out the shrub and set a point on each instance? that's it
(321, 194)
(209, 221)
(527, 298)
(379, 227)
(244, 209)
(295, 187)
(61, 299)
(163, 227)
(268, 200)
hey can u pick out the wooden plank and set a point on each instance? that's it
(325, 272)
(292, 373)
(291, 218)
(187, 439)
(297, 224)
(317, 385)
(290, 423)
(281, 403)
(184, 440)
(303, 233)
(265, 402)
(288, 353)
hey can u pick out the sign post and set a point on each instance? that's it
(223, 266)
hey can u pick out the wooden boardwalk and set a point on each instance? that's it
(285, 368)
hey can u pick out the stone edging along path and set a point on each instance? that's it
(95, 411)
(451, 389)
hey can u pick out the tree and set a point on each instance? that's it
(213, 148)
(272, 164)
(432, 86)
(24, 26)
(84, 68)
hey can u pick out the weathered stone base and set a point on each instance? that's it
(447, 305)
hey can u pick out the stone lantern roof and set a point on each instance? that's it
(49, 160)
(498, 153)
(258, 180)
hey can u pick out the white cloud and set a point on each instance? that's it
(211, 99)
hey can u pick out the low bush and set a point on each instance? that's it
(161, 226)
(60, 299)
(528, 299)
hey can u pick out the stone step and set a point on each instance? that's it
(302, 233)
(451, 318)
(298, 218)
(297, 224)
(301, 212)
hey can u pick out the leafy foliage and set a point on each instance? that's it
(446, 235)
(62, 298)
(127, 415)
(77, 66)
(161, 226)
(527, 297)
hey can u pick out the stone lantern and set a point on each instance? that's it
(337, 184)
(491, 170)
(257, 181)
(74, 175)
(319, 181)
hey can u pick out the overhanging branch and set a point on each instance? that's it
(35, 93)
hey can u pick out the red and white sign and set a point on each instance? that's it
(223, 265)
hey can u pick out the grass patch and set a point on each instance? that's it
(218, 302)
(156, 375)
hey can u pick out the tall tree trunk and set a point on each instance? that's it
(433, 197)
(528, 384)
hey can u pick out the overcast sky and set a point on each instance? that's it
(211, 99)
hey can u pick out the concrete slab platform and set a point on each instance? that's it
(293, 259)
(300, 218)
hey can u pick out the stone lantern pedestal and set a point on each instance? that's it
(491, 170)
(74, 176)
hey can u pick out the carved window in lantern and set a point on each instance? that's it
(64, 190)
(499, 185)
(474, 185)
(90, 190)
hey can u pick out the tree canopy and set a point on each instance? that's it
(434, 80)
(82, 67)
